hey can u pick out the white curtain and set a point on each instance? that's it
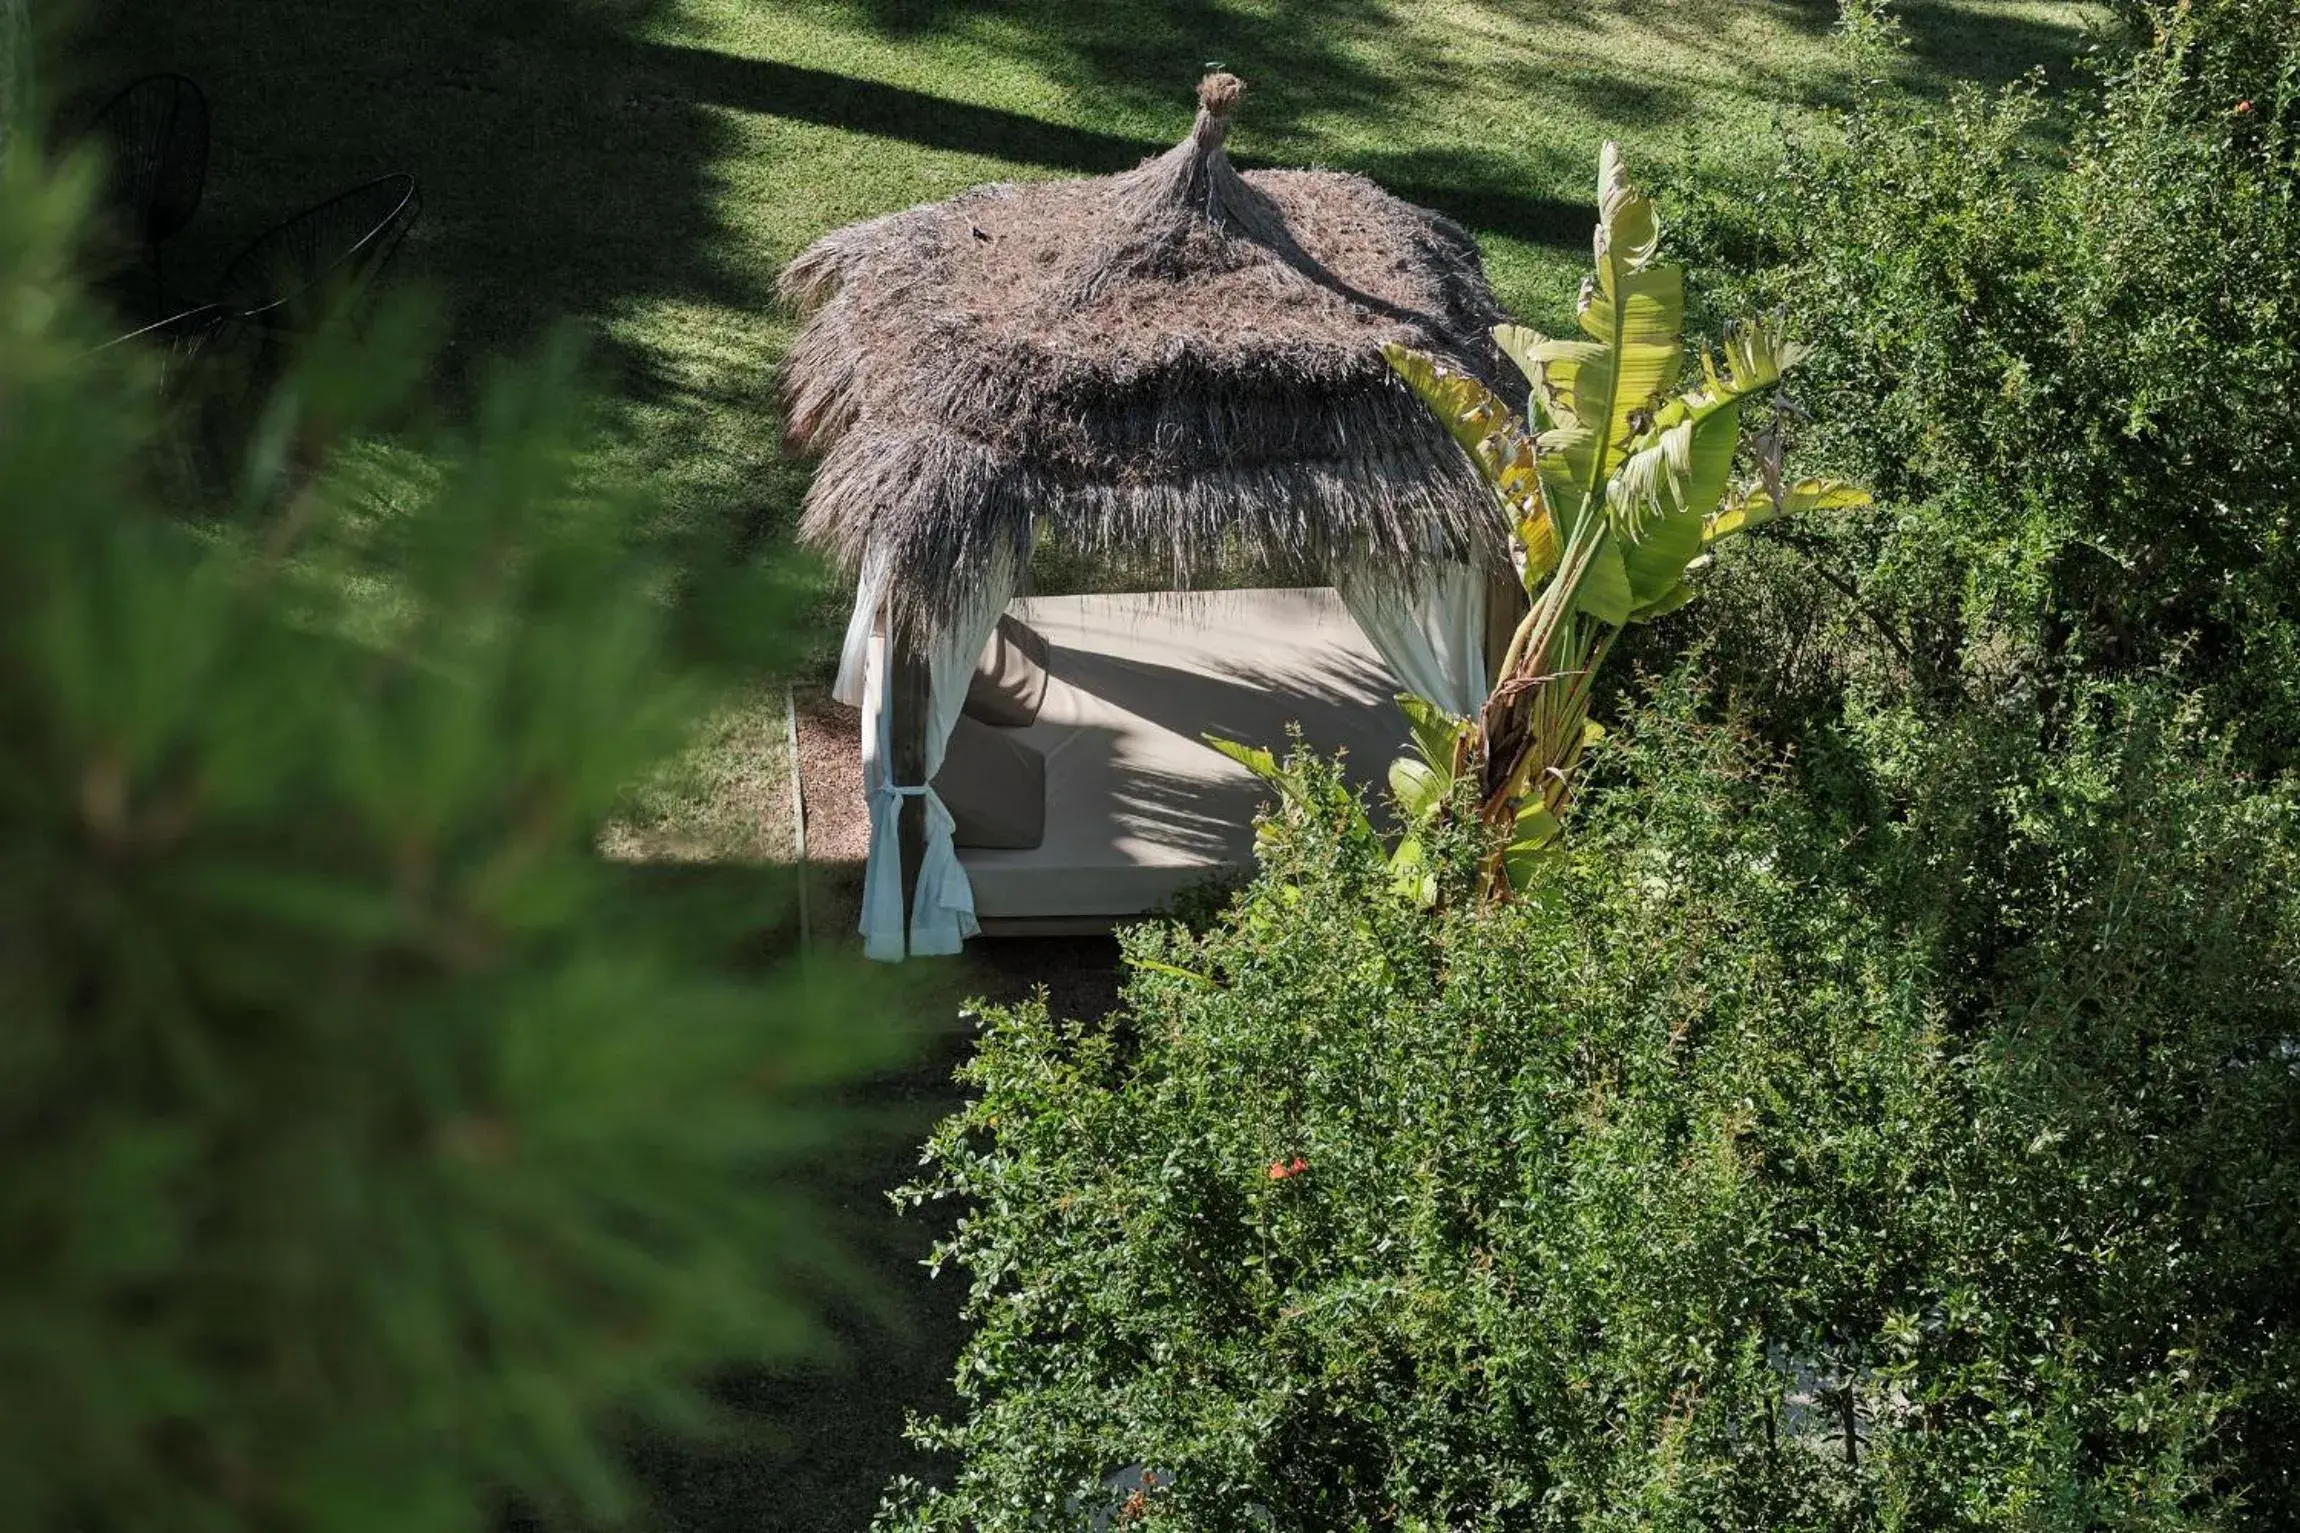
(942, 911)
(1429, 629)
(855, 653)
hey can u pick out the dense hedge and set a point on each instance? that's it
(1892, 1117)
(1698, 1196)
(2056, 335)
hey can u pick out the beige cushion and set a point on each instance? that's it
(1010, 679)
(994, 786)
(1137, 805)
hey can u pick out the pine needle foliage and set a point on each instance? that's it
(371, 1149)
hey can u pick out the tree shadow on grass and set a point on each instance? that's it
(813, 1447)
(571, 168)
(1980, 41)
(1485, 192)
(552, 191)
(834, 100)
(1302, 56)
(1621, 98)
(1987, 46)
(558, 190)
(816, 1446)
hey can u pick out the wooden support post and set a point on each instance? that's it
(1505, 608)
(910, 689)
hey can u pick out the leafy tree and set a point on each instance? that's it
(1885, 1116)
(1692, 1195)
(2060, 352)
(371, 1149)
(1613, 486)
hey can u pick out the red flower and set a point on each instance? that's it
(1280, 1170)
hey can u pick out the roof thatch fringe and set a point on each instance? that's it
(1181, 360)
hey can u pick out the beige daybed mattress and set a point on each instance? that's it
(1137, 805)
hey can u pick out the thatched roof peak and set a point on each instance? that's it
(1187, 212)
(1182, 360)
(1218, 95)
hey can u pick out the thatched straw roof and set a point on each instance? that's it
(1181, 361)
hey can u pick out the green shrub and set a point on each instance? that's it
(1622, 1208)
(1891, 1117)
(2060, 350)
(371, 1149)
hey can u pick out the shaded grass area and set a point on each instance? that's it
(640, 169)
(819, 1443)
(816, 1444)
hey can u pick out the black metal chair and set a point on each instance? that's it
(293, 278)
(155, 137)
(182, 335)
(183, 344)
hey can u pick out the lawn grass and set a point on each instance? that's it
(640, 170)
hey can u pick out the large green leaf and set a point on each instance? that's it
(1155, 966)
(1476, 417)
(1411, 876)
(1569, 502)
(1605, 592)
(1754, 507)
(1532, 847)
(1420, 791)
(1253, 758)
(1437, 734)
(1493, 437)
(1755, 355)
(1668, 601)
(1565, 445)
(1534, 827)
(1596, 393)
(1524, 347)
(1659, 498)
(1635, 311)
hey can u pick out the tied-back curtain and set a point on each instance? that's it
(1428, 628)
(942, 911)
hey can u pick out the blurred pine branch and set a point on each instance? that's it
(369, 1144)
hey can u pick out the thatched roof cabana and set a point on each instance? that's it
(1179, 366)
(1181, 362)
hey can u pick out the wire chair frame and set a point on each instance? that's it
(184, 345)
(179, 342)
(287, 277)
(155, 136)
(184, 332)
